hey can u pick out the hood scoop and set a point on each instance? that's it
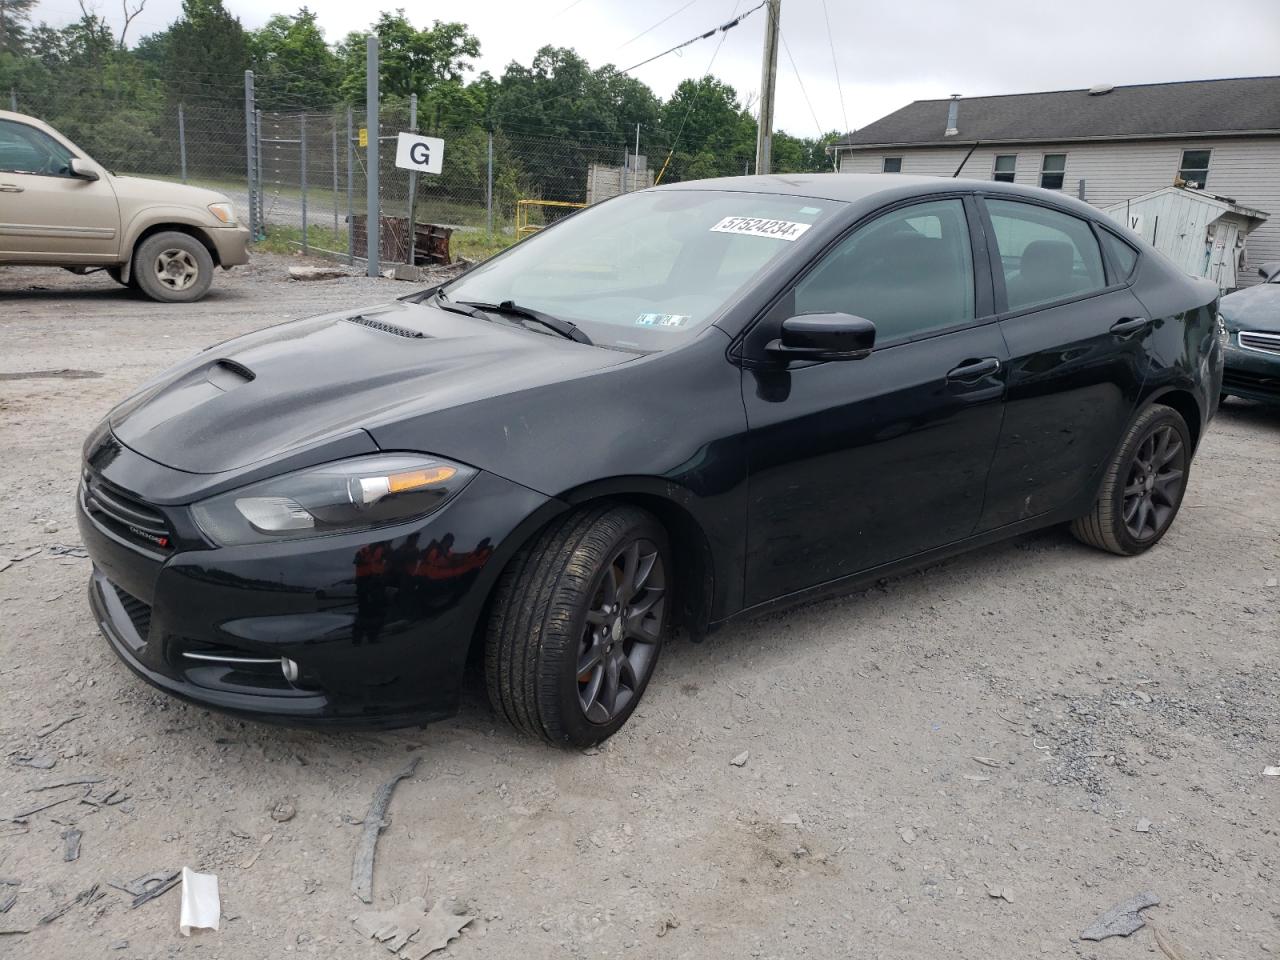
(391, 328)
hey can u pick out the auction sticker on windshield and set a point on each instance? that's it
(760, 227)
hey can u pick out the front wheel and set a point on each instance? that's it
(577, 625)
(1143, 487)
(173, 267)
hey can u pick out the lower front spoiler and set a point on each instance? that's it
(305, 711)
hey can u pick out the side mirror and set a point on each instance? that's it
(81, 170)
(824, 336)
(1269, 270)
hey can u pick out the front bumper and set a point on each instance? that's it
(232, 244)
(377, 623)
(1251, 374)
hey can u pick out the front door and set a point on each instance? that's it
(1076, 337)
(46, 214)
(857, 463)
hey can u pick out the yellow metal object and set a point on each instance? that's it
(523, 207)
(363, 137)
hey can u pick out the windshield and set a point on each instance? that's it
(645, 270)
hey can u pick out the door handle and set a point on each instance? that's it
(1128, 326)
(10, 188)
(971, 371)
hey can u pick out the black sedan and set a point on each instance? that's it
(670, 409)
(1252, 318)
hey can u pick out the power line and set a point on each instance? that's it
(844, 115)
(803, 91)
(659, 23)
(723, 28)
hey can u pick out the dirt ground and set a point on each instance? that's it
(957, 763)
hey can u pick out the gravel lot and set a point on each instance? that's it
(1099, 692)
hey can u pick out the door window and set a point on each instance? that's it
(25, 149)
(1046, 255)
(910, 272)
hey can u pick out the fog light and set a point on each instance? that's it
(290, 668)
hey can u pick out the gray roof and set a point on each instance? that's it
(1203, 107)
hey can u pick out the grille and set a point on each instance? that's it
(1266, 342)
(139, 612)
(127, 515)
(387, 328)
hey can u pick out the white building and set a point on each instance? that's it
(1105, 145)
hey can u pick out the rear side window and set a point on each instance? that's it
(910, 272)
(25, 149)
(1123, 257)
(1045, 255)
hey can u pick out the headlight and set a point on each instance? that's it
(1224, 335)
(333, 498)
(224, 212)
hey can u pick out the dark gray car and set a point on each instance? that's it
(1252, 317)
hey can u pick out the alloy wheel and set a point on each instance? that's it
(1154, 485)
(176, 269)
(623, 628)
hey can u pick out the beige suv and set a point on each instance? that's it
(58, 207)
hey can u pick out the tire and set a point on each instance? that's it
(1151, 467)
(173, 267)
(557, 662)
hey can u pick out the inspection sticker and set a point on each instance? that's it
(760, 227)
(662, 320)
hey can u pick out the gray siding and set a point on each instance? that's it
(1246, 169)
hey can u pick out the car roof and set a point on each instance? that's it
(887, 187)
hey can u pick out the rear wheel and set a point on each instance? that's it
(173, 267)
(577, 625)
(1143, 487)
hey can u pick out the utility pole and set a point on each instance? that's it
(768, 83)
(373, 224)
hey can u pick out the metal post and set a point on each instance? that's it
(302, 175)
(251, 163)
(768, 83)
(635, 176)
(182, 141)
(334, 131)
(257, 149)
(488, 187)
(373, 232)
(351, 162)
(413, 184)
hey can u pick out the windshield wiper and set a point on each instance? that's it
(512, 309)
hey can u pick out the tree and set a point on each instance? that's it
(205, 54)
(292, 64)
(15, 20)
(712, 135)
(409, 60)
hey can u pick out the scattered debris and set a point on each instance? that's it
(35, 762)
(148, 887)
(1122, 919)
(283, 812)
(50, 727)
(791, 820)
(8, 897)
(1142, 826)
(68, 550)
(741, 759)
(200, 906)
(19, 557)
(907, 834)
(667, 923)
(23, 814)
(374, 823)
(84, 898)
(976, 778)
(999, 892)
(120, 945)
(988, 762)
(60, 374)
(71, 847)
(1140, 695)
(1168, 946)
(251, 860)
(319, 273)
(66, 783)
(1271, 771)
(410, 931)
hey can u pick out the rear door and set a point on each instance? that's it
(46, 214)
(1076, 338)
(858, 463)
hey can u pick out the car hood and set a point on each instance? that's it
(1253, 308)
(140, 190)
(300, 384)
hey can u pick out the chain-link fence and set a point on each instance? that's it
(300, 177)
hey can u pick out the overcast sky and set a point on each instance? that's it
(887, 53)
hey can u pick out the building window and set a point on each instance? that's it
(1195, 168)
(1004, 167)
(892, 165)
(1053, 170)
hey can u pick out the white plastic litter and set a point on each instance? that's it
(200, 907)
